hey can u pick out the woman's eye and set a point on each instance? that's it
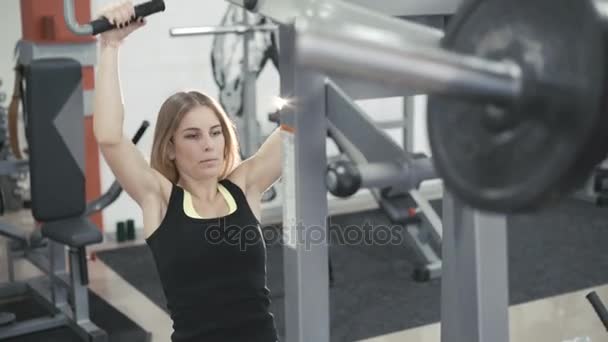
(191, 136)
(216, 133)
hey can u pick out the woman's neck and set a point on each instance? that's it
(203, 190)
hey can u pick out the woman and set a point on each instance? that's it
(200, 204)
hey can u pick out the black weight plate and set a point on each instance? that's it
(554, 144)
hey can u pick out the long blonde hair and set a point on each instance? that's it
(170, 116)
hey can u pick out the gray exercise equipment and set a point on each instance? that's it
(55, 132)
(54, 108)
(392, 174)
(48, 256)
(503, 93)
(474, 265)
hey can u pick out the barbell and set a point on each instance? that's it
(516, 115)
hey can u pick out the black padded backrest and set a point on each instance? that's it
(55, 132)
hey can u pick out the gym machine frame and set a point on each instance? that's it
(392, 174)
(388, 171)
(503, 84)
(63, 292)
(475, 279)
(475, 286)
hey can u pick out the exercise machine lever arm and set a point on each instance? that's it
(102, 24)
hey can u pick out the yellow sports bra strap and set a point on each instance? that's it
(228, 197)
(189, 206)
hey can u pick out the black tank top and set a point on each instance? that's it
(213, 273)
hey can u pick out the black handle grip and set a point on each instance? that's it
(599, 308)
(140, 131)
(142, 10)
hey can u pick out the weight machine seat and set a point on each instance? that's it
(74, 232)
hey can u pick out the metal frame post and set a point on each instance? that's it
(409, 114)
(57, 269)
(250, 125)
(80, 292)
(10, 260)
(304, 131)
(475, 286)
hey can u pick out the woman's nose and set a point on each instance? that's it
(207, 143)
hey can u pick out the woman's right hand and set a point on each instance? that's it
(120, 14)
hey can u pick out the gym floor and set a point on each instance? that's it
(561, 318)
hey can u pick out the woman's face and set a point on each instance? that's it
(198, 144)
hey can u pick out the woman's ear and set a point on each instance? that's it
(171, 149)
